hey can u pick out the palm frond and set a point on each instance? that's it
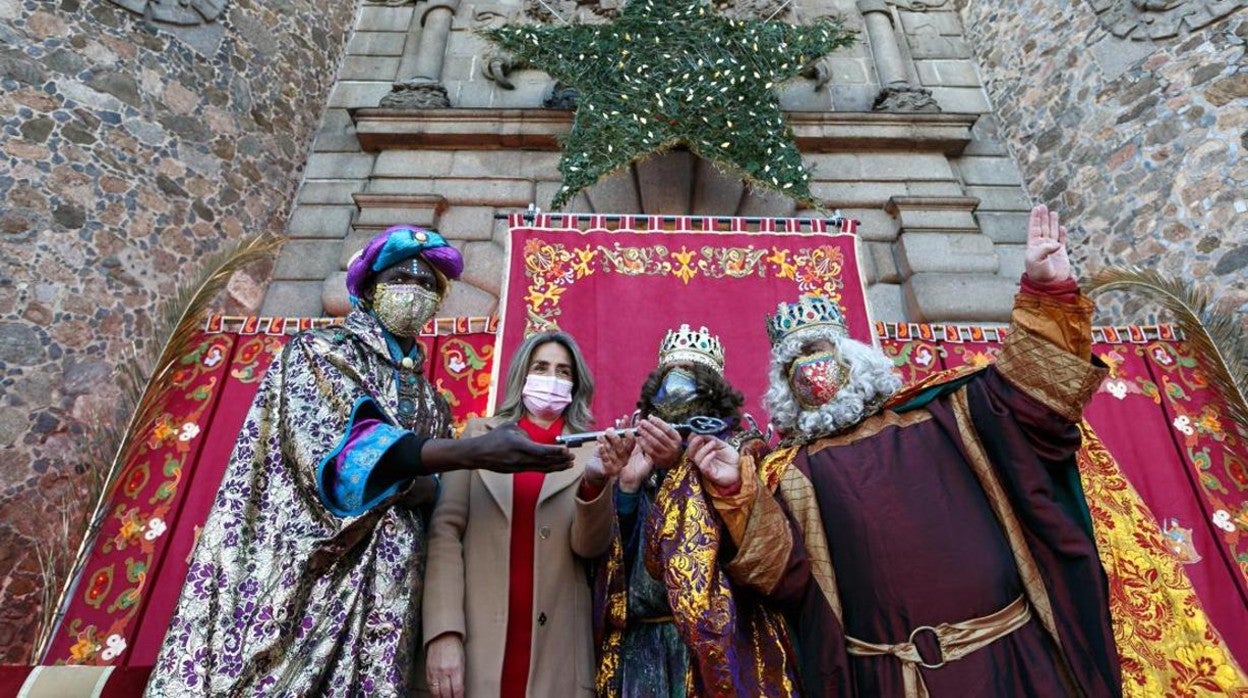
(1218, 337)
(144, 377)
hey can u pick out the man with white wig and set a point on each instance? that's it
(932, 541)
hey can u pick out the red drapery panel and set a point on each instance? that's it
(619, 291)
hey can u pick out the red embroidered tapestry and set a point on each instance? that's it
(619, 290)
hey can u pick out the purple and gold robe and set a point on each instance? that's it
(305, 581)
(943, 514)
(718, 640)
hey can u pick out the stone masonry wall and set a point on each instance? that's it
(1140, 142)
(128, 151)
(943, 228)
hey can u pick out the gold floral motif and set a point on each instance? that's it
(551, 268)
(685, 271)
(635, 261)
(733, 262)
(816, 270)
(1166, 643)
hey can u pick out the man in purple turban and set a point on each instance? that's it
(307, 577)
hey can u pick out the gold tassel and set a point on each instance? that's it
(1218, 337)
(144, 377)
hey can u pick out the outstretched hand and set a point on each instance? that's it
(1046, 258)
(504, 449)
(719, 463)
(507, 449)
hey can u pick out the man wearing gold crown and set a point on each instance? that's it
(668, 620)
(940, 545)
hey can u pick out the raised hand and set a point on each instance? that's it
(719, 463)
(1046, 258)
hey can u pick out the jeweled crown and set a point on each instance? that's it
(687, 344)
(809, 315)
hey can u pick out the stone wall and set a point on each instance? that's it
(939, 195)
(1134, 122)
(130, 149)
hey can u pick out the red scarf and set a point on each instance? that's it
(526, 487)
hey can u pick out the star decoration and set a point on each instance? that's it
(672, 72)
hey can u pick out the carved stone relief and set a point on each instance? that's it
(905, 99)
(177, 12)
(919, 5)
(1145, 20)
(417, 93)
(561, 96)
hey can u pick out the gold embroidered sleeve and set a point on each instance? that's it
(1047, 353)
(735, 509)
(764, 541)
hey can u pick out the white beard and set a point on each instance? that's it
(872, 381)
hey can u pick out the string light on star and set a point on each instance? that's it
(672, 72)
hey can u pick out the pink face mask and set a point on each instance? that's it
(545, 397)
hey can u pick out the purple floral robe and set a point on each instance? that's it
(285, 597)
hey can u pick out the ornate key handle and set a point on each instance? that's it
(697, 424)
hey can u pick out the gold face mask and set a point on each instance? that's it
(816, 378)
(404, 308)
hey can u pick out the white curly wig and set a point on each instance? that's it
(872, 380)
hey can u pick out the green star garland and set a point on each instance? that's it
(671, 72)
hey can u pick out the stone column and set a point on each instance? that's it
(424, 89)
(947, 267)
(897, 93)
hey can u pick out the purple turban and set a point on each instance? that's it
(399, 244)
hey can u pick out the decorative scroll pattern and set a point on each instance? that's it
(619, 291)
(552, 267)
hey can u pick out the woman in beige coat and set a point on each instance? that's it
(507, 601)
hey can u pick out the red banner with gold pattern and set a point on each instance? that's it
(118, 611)
(619, 290)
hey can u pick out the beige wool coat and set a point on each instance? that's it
(466, 579)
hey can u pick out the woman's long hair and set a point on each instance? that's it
(577, 415)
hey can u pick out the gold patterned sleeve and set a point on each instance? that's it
(760, 531)
(1047, 352)
(735, 509)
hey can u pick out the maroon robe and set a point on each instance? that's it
(910, 533)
